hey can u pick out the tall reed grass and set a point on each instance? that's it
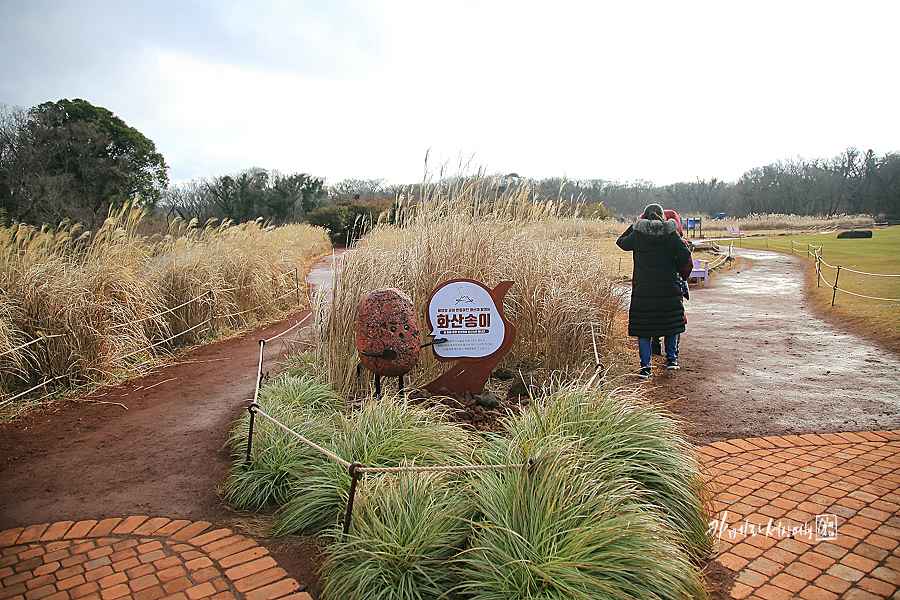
(563, 304)
(781, 222)
(102, 303)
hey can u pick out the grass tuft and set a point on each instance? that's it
(378, 434)
(616, 433)
(559, 530)
(407, 529)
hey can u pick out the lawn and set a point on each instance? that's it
(868, 296)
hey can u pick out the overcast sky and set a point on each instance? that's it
(663, 91)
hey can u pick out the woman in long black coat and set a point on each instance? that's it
(656, 302)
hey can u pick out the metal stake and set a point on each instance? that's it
(250, 434)
(834, 293)
(354, 477)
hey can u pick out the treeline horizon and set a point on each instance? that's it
(75, 162)
(852, 182)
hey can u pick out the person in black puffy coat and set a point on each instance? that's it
(656, 302)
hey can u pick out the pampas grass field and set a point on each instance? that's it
(81, 307)
(563, 303)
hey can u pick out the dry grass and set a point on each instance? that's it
(98, 302)
(563, 304)
(778, 222)
(235, 271)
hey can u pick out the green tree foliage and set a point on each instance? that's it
(247, 196)
(351, 219)
(73, 160)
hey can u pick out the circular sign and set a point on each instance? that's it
(464, 312)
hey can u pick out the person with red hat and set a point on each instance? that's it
(685, 273)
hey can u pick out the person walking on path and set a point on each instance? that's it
(685, 273)
(656, 303)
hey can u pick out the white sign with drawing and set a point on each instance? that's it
(464, 313)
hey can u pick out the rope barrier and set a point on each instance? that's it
(254, 408)
(859, 272)
(297, 324)
(835, 289)
(356, 469)
(34, 341)
(44, 383)
(822, 279)
(168, 310)
(457, 468)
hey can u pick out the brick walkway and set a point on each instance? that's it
(810, 516)
(815, 517)
(140, 559)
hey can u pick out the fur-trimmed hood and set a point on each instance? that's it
(655, 228)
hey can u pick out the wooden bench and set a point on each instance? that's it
(700, 271)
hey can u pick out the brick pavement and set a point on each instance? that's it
(768, 493)
(138, 558)
(815, 517)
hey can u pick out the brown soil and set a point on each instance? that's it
(754, 362)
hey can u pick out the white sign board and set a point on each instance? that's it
(464, 313)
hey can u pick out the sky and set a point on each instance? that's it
(408, 90)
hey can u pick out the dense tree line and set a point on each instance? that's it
(246, 196)
(853, 182)
(72, 160)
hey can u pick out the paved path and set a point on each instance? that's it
(811, 516)
(138, 558)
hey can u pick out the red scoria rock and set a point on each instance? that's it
(387, 332)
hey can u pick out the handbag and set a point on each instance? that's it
(685, 290)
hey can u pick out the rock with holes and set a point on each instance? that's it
(387, 332)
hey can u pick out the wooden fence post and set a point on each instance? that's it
(836, 276)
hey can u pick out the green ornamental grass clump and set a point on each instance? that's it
(305, 405)
(619, 435)
(380, 433)
(562, 529)
(407, 530)
(601, 497)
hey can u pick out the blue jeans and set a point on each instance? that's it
(645, 351)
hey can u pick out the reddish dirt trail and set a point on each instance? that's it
(152, 446)
(756, 360)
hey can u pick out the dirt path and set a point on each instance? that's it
(755, 362)
(151, 446)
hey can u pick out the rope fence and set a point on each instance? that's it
(34, 341)
(820, 278)
(356, 469)
(815, 252)
(153, 345)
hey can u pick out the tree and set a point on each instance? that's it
(246, 196)
(71, 159)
